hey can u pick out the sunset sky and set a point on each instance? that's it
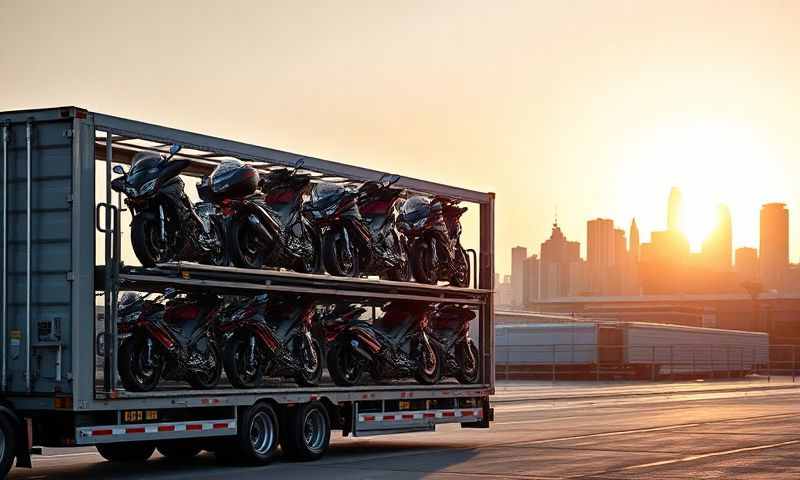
(596, 108)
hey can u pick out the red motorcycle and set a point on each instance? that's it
(433, 229)
(176, 341)
(270, 336)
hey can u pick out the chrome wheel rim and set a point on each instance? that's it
(314, 430)
(2, 443)
(262, 433)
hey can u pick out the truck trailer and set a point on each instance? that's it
(65, 256)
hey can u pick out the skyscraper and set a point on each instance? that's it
(633, 242)
(746, 264)
(555, 257)
(717, 247)
(518, 257)
(600, 242)
(532, 280)
(675, 210)
(773, 247)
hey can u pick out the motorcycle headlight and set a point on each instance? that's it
(148, 187)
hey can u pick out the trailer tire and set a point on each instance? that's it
(306, 433)
(179, 450)
(8, 445)
(257, 439)
(127, 452)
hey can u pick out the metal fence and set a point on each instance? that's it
(648, 362)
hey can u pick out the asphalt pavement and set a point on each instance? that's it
(698, 430)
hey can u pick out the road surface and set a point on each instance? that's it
(660, 432)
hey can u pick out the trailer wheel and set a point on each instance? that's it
(8, 445)
(179, 450)
(128, 452)
(307, 432)
(257, 438)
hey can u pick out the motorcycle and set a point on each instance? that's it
(433, 228)
(264, 216)
(395, 345)
(166, 226)
(359, 234)
(450, 331)
(271, 336)
(176, 341)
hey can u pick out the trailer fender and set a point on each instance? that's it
(23, 453)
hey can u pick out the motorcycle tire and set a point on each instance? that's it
(131, 368)
(311, 363)
(345, 366)
(235, 361)
(468, 374)
(461, 276)
(144, 232)
(401, 273)
(310, 264)
(333, 243)
(422, 265)
(207, 379)
(244, 246)
(430, 363)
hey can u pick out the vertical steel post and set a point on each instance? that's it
(109, 373)
(28, 131)
(4, 348)
(486, 282)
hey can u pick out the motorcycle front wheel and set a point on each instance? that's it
(138, 372)
(310, 360)
(335, 257)
(468, 360)
(207, 377)
(147, 243)
(429, 363)
(345, 366)
(243, 368)
(461, 269)
(422, 263)
(245, 247)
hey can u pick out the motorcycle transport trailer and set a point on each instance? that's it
(62, 248)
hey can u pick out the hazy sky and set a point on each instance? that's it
(595, 107)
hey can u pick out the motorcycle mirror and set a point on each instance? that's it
(173, 149)
(300, 163)
(118, 170)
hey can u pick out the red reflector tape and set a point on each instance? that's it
(135, 430)
(388, 417)
(97, 433)
(369, 418)
(166, 428)
(467, 413)
(220, 425)
(408, 417)
(428, 415)
(194, 427)
(448, 414)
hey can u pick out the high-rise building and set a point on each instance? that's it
(555, 256)
(620, 248)
(600, 242)
(773, 247)
(717, 247)
(518, 257)
(675, 210)
(633, 242)
(532, 277)
(746, 264)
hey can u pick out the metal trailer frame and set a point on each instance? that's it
(119, 145)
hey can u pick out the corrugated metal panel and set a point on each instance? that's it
(562, 343)
(50, 255)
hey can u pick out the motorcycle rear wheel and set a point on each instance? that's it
(147, 245)
(461, 269)
(245, 246)
(136, 375)
(422, 264)
(345, 366)
(206, 379)
(238, 369)
(468, 359)
(429, 363)
(334, 255)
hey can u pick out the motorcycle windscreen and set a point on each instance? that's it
(234, 178)
(326, 195)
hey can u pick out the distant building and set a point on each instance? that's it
(502, 290)
(717, 247)
(600, 242)
(675, 210)
(518, 257)
(746, 264)
(532, 280)
(773, 245)
(555, 256)
(633, 242)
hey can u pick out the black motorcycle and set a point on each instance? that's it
(166, 225)
(264, 216)
(176, 341)
(271, 336)
(449, 329)
(396, 345)
(433, 229)
(359, 234)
